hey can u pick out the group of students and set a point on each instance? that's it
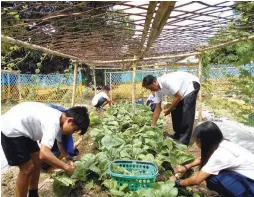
(226, 167)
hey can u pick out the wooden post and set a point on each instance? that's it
(200, 91)
(94, 82)
(74, 83)
(134, 66)
(19, 86)
(110, 84)
(105, 77)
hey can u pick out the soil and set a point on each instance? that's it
(86, 146)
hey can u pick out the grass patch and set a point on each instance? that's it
(231, 108)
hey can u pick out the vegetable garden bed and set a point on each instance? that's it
(119, 134)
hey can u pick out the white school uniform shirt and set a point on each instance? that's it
(151, 97)
(34, 120)
(230, 156)
(176, 81)
(98, 96)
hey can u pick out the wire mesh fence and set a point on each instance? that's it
(215, 79)
(225, 88)
(38, 87)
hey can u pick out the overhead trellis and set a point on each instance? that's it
(113, 32)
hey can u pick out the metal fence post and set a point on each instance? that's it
(134, 87)
(105, 77)
(94, 81)
(110, 84)
(200, 91)
(74, 84)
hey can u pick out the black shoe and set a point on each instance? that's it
(170, 135)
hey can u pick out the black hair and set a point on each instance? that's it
(80, 116)
(106, 87)
(210, 137)
(148, 80)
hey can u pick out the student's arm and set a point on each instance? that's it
(177, 99)
(64, 153)
(76, 144)
(183, 169)
(156, 113)
(195, 179)
(108, 99)
(146, 101)
(47, 156)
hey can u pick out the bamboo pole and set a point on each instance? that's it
(168, 65)
(226, 43)
(149, 17)
(10, 71)
(134, 66)
(110, 84)
(94, 82)
(200, 91)
(147, 58)
(108, 68)
(74, 83)
(36, 47)
(159, 21)
(171, 5)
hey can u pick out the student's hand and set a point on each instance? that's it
(69, 170)
(172, 178)
(166, 112)
(197, 161)
(180, 169)
(71, 163)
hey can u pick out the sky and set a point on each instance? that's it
(192, 7)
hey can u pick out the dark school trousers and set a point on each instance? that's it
(183, 116)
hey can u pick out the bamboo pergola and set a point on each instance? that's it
(118, 34)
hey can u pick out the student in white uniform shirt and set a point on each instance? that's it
(226, 167)
(25, 124)
(150, 101)
(184, 87)
(102, 98)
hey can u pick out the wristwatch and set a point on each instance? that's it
(177, 182)
(69, 158)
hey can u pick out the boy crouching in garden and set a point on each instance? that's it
(25, 124)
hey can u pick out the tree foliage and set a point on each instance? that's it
(30, 61)
(239, 53)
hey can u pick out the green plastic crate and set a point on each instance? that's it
(147, 172)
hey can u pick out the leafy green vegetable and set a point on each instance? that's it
(89, 185)
(121, 135)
